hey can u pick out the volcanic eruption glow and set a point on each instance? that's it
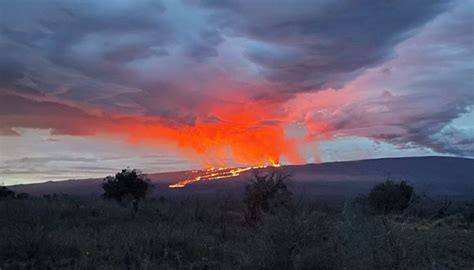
(218, 173)
(176, 85)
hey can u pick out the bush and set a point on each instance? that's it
(22, 196)
(390, 197)
(265, 193)
(127, 185)
(6, 193)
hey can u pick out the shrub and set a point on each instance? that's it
(6, 193)
(22, 196)
(127, 185)
(390, 197)
(265, 193)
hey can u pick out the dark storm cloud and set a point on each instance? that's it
(72, 119)
(18, 111)
(429, 85)
(98, 52)
(320, 44)
(130, 53)
(165, 60)
(400, 119)
(10, 71)
(454, 140)
(80, 47)
(53, 28)
(98, 45)
(205, 46)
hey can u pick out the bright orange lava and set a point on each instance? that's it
(218, 173)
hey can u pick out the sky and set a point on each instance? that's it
(90, 87)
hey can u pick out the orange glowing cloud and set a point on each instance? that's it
(227, 129)
(244, 131)
(251, 133)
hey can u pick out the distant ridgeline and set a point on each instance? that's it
(435, 176)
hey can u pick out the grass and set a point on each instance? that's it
(65, 232)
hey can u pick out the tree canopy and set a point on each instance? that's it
(127, 184)
(390, 196)
(265, 193)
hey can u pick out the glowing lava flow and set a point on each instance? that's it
(218, 173)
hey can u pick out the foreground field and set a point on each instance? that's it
(62, 232)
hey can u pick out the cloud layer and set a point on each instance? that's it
(219, 78)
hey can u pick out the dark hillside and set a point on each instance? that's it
(436, 176)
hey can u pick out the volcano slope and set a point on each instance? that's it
(434, 176)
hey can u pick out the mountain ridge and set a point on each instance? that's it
(435, 175)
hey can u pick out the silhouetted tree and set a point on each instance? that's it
(6, 193)
(264, 193)
(390, 197)
(127, 185)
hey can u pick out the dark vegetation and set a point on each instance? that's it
(390, 197)
(6, 193)
(390, 228)
(266, 194)
(127, 186)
